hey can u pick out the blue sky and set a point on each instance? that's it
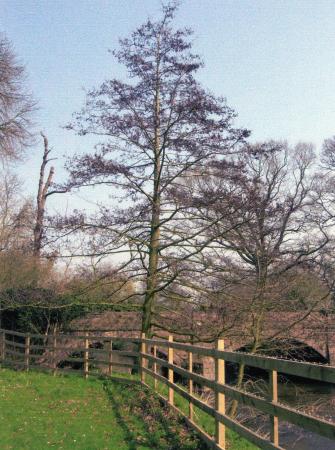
(274, 61)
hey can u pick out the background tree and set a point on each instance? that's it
(280, 236)
(16, 104)
(326, 201)
(328, 153)
(43, 193)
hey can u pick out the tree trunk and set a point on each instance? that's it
(152, 277)
(257, 331)
(43, 187)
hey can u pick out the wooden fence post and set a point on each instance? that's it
(54, 346)
(110, 367)
(170, 371)
(86, 356)
(142, 359)
(220, 402)
(190, 385)
(26, 351)
(273, 397)
(3, 346)
(155, 367)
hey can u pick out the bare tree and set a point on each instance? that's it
(326, 201)
(280, 231)
(328, 153)
(42, 194)
(16, 104)
(15, 213)
(155, 131)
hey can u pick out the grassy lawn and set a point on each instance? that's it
(39, 411)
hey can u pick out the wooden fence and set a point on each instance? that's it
(72, 353)
(21, 350)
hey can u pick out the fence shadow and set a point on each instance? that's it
(160, 425)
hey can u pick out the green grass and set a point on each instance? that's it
(204, 420)
(39, 411)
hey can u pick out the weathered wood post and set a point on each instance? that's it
(142, 359)
(110, 366)
(170, 371)
(54, 347)
(86, 355)
(190, 384)
(155, 367)
(3, 346)
(273, 397)
(26, 351)
(220, 402)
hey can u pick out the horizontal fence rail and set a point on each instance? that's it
(72, 353)
(270, 405)
(94, 354)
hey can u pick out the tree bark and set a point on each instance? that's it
(43, 187)
(152, 279)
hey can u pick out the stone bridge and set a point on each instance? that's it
(316, 332)
(298, 329)
(311, 339)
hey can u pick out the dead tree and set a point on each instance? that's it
(42, 194)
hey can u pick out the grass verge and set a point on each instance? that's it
(39, 411)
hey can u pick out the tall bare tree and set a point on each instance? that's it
(155, 130)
